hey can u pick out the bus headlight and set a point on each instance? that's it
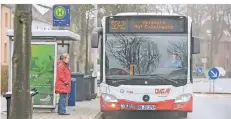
(109, 98)
(183, 98)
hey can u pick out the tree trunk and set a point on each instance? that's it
(21, 102)
(82, 50)
(86, 62)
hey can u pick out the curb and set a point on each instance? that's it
(211, 93)
(98, 116)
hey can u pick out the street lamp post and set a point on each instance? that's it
(86, 62)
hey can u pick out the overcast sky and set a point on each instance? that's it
(42, 10)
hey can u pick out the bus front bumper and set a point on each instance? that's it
(167, 105)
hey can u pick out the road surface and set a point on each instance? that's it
(204, 85)
(205, 107)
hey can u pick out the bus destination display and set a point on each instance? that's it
(146, 24)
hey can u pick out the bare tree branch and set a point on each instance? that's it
(133, 50)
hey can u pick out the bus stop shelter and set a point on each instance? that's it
(44, 46)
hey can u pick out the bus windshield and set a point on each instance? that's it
(146, 55)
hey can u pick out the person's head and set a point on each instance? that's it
(65, 58)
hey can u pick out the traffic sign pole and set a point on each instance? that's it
(213, 74)
(213, 86)
(210, 85)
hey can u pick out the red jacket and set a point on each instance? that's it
(63, 77)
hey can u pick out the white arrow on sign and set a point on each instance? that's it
(214, 74)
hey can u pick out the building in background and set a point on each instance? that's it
(223, 56)
(6, 23)
(1, 36)
(39, 22)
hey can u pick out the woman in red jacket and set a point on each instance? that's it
(63, 83)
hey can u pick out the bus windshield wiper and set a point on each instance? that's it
(161, 77)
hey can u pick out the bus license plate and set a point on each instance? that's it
(146, 107)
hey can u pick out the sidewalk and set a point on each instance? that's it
(82, 110)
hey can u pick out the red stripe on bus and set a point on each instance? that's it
(161, 105)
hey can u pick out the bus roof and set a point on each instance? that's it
(145, 14)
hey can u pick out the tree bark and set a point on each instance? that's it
(21, 101)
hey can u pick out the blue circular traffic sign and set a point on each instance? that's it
(199, 70)
(213, 73)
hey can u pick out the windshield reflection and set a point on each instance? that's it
(149, 54)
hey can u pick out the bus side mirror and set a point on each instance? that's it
(97, 32)
(195, 45)
(94, 39)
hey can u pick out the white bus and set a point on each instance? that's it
(146, 63)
